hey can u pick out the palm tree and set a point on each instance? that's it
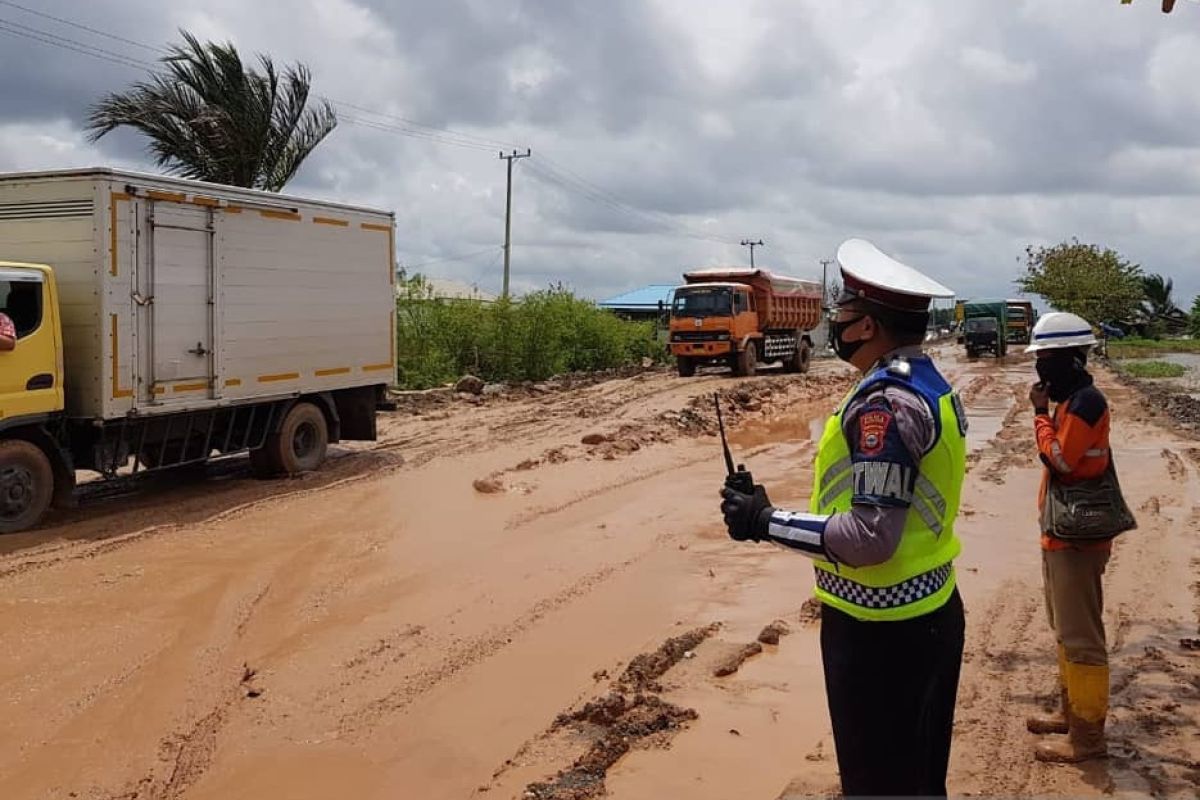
(210, 117)
(1158, 306)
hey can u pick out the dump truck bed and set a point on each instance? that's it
(783, 303)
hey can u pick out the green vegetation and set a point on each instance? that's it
(542, 334)
(1097, 284)
(1154, 369)
(1148, 348)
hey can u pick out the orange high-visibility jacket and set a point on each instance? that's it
(1073, 443)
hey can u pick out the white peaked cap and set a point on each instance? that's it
(873, 275)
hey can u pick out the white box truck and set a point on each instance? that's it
(163, 322)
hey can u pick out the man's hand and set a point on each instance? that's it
(1040, 398)
(744, 513)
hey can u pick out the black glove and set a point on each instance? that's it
(747, 516)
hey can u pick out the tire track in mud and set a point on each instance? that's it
(460, 656)
(1001, 664)
(185, 756)
(79, 549)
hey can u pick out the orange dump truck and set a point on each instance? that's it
(739, 317)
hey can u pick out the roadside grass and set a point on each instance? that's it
(1154, 369)
(1148, 348)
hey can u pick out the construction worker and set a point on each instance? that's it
(880, 529)
(1073, 445)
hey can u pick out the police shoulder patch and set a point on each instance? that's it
(873, 424)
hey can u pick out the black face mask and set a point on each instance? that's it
(845, 350)
(1063, 373)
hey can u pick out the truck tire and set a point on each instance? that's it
(803, 356)
(686, 366)
(26, 485)
(747, 361)
(301, 442)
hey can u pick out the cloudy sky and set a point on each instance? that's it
(951, 132)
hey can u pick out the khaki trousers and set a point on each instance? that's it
(1075, 602)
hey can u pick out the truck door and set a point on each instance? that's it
(176, 300)
(30, 373)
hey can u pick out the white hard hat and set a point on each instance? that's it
(870, 274)
(1059, 330)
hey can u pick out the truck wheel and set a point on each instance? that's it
(747, 361)
(686, 366)
(301, 442)
(804, 357)
(26, 485)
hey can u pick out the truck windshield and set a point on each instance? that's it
(21, 300)
(986, 325)
(702, 303)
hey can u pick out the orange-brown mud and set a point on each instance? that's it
(383, 629)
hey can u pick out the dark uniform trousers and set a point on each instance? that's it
(891, 688)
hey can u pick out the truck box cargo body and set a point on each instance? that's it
(179, 294)
(733, 315)
(179, 298)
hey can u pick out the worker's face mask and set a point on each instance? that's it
(1062, 372)
(846, 350)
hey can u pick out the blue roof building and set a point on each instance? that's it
(643, 301)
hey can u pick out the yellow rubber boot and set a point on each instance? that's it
(1087, 692)
(1053, 721)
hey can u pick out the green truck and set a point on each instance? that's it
(985, 328)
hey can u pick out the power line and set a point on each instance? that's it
(82, 27)
(420, 127)
(65, 43)
(549, 171)
(386, 128)
(664, 219)
(464, 257)
(588, 191)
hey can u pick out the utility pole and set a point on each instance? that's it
(825, 262)
(514, 155)
(752, 245)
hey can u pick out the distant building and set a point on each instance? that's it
(644, 303)
(445, 289)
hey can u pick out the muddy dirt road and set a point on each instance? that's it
(484, 606)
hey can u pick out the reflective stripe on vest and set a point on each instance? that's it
(898, 595)
(919, 577)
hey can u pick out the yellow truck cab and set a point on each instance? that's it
(31, 393)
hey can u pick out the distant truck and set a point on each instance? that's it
(1021, 317)
(164, 322)
(739, 317)
(977, 341)
(982, 334)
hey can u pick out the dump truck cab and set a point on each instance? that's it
(31, 374)
(708, 318)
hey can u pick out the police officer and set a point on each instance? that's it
(880, 530)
